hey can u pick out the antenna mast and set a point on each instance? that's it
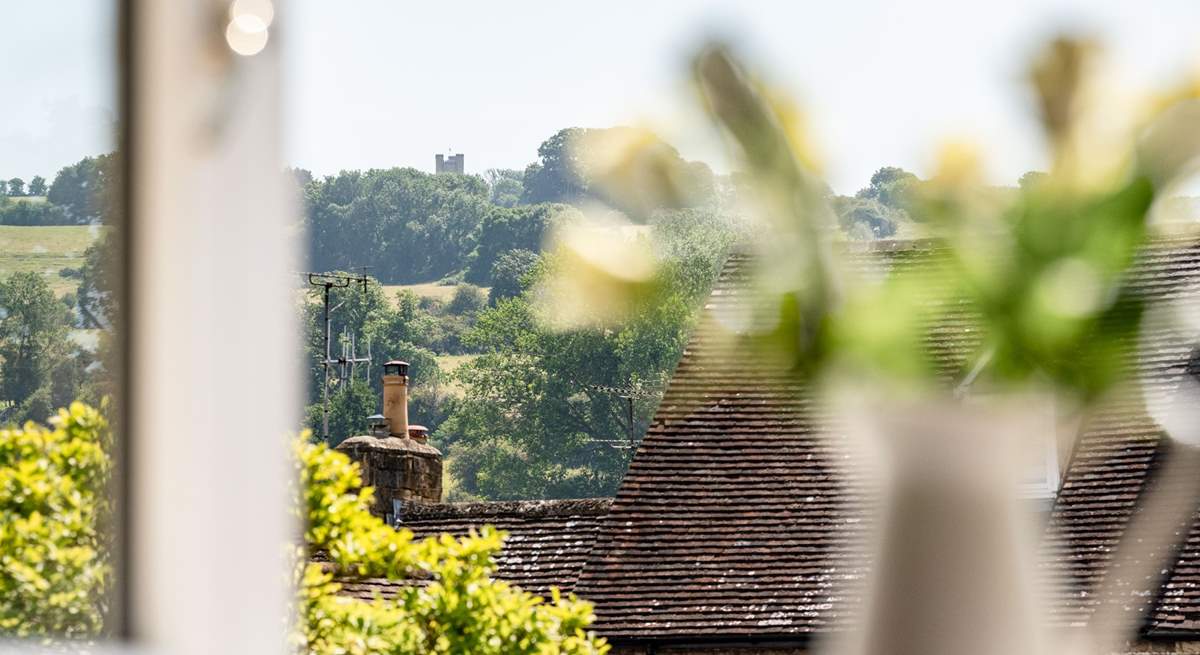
(328, 281)
(628, 394)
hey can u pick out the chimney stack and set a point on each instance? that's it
(396, 457)
(395, 397)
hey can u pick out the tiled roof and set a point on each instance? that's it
(1117, 459)
(548, 540)
(739, 519)
(731, 520)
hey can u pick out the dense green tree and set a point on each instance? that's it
(539, 417)
(95, 299)
(410, 226)
(406, 225)
(522, 228)
(509, 273)
(33, 339)
(301, 176)
(32, 213)
(4, 189)
(554, 177)
(506, 186)
(537, 420)
(83, 189)
(37, 186)
(467, 299)
(16, 187)
(349, 407)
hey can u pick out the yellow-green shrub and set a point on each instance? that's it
(53, 561)
(456, 608)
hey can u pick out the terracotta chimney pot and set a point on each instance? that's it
(395, 397)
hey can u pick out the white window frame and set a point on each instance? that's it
(212, 378)
(1046, 488)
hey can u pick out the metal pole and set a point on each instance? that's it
(325, 373)
(631, 429)
(329, 281)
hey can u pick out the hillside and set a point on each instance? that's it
(46, 250)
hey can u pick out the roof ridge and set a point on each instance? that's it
(507, 508)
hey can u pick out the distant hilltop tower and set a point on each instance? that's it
(451, 164)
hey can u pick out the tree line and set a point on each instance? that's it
(410, 226)
(15, 187)
(79, 195)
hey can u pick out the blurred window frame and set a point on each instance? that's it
(210, 382)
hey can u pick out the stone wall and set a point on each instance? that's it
(400, 469)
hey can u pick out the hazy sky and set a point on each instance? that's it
(375, 83)
(58, 87)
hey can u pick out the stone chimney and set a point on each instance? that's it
(395, 457)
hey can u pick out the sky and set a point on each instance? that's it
(380, 83)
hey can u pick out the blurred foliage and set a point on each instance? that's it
(54, 569)
(1042, 266)
(454, 605)
(629, 167)
(878, 210)
(865, 219)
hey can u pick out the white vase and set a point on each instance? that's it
(952, 571)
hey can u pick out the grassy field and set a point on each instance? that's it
(442, 292)
(33, 200)
(450, 363)
(45, 250)
(425, 290)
